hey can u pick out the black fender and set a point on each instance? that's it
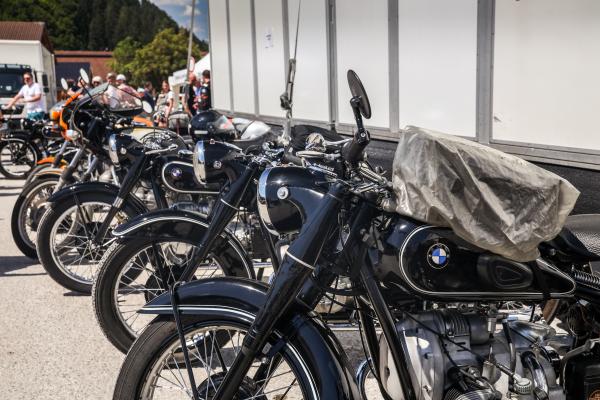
(95, 187)
(177, 224)
(240, 299)
(16, 134)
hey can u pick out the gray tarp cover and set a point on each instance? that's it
(494, 200)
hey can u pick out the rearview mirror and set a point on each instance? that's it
(359, 93)
(84, 76)
(147, 107)
(63, 84)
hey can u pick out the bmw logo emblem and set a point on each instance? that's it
(438, 255)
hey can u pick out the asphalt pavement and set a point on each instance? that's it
(50, 344)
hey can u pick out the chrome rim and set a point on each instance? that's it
(32, 210)
(71, 245)
(139, 281)
(17, 158)
(210, 349)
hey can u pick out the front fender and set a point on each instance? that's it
(241, 299)
(170, 224)
(42, 171)
(94, 187)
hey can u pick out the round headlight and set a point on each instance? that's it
(199, 162)
(72, 134)
(112, 149)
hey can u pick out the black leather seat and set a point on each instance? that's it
(580, 237)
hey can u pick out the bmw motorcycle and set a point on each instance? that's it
(225, 338)
(231, 236)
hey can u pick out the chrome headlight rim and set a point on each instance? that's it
(200, 161)
(261, 197)
(112, 149)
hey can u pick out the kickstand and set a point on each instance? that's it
(175, 305)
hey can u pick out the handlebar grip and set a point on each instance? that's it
(353, 151)
(291, 158)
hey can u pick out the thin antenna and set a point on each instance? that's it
(286, 98)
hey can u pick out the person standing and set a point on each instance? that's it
(148, 95)
(204, 99)
(164, 104)
(31, 93)
(190, 95)
(122, 85)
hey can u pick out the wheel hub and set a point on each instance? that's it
(247, 389)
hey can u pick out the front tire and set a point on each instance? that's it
(64, 242)
(28, 211)
(157, 352)
(124, 284)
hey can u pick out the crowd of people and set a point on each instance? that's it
(197, 95)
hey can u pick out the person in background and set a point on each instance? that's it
(148, 94)
(164, 104)
(31, 93)
(122, 85)
(204, 100)
(111, 78)
(96, 81)
(190, 96)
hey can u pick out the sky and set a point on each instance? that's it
(181, 10)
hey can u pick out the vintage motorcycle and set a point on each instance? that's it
(25, 143)
(232, 235)
(225, 338)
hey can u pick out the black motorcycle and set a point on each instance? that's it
(239, 338)
(231, 241)
(25, 142)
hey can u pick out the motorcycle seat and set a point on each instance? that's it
(580, 236)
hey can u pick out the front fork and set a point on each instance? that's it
(294, 270)
(68, 172)
(132, 177)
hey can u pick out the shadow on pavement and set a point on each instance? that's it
(8, 264)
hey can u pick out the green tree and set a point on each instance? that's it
(124, 54)
(166, 53)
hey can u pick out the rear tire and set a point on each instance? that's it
(112, 266)
(20, 221)
(47, 248)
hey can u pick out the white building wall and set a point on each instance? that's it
(219, 46)
(242, 53)
(364, 28)
(546, 72)
(270, 56)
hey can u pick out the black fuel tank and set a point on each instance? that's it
(435, 263)
(178, 176)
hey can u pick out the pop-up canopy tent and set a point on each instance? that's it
(180, 77)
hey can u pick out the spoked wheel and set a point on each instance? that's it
(154, 368)
(129, 278)
(66, 245)
(17, 158)
(28, 211)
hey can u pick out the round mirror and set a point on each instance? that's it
(147, 107)
(84, 75)
(64, 84)
(357, 90)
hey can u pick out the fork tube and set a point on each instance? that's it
(132, 177)
(294, 270)
(223, 211)
(59, 156)
(68, 172)
(389, 329)
(91, 168)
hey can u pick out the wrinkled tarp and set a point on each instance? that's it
(491, 199)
